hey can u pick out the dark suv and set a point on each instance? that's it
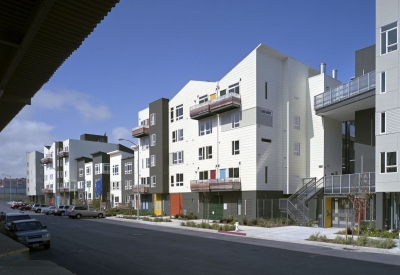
(7, 218)
(62, 210)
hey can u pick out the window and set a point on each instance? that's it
(106, 169)
(383, 122)
(146, 163)
(234, 88)
(223, 92)
(51, 176)
(177, 135)
(383, 82)
(205, 153)
(233, 172)
(265, 140)
(179, 112)
(116, 199)
(203, 175)
(153, 140)
(172, 114)
(153, 160)
(235, 147)
(60, 162)
(179, 179)
(66, 173)
(81, 172)
(297, 148)
(388, 162)
(172, 181)
(145, 145)
(266, 174)
(266, 112)
(152, 119)
(205, 128)
(128, 184)
(235, 120)
(88, 170)
(203, 99)
(115, 185)
(115, 170)
(389, 38)
(177, 157)
(128, 199)
(266, 90)
(297, 122)
(153, 181)
(239, 207)
(128, 168)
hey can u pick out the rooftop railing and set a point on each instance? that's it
(350, 183)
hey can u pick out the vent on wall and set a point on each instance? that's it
(266, 140)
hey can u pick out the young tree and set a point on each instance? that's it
(205, 198)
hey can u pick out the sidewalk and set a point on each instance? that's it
(290, 234)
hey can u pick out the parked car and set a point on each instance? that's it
(30, 233)
(25, 207)
(7, 218)
(62, 210)
(85, 211)
(34, 206)
(49, 210)
(17, 205)
(39, 208)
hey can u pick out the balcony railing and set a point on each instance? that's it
(140, 131)
(63, 154)
(351, 183)
(47, 159)
(200, 111)
(353, 88)
(48, 189)
(225, 103)
(215, 184)
(143, 188)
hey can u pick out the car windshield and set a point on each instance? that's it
(19, 217)
(28, 226)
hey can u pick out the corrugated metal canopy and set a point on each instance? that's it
(36, 37)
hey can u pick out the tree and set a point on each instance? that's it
(205, 198)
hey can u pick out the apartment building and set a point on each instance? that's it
(34, 176)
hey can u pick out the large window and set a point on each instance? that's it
(389, 38)
(115, 185)
(145, 145)
(383, 82)
(115, 169)
(128, 184)
(128, 168)
(233, 172)
(179, 179)
(88, 170)
(234, 88)
(203, 175)
(179, 112)
(388, 162)
(153, 140)
(152, 119)
(235, 120)
(177, 157)
(383, 122)
(177, 135)
(203, 99)
(235, 147)
(205, 128)
(106, 168)
(153, 160)
(205, 153)
(146, 163)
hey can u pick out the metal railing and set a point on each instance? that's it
(355, 87)
(351, 183)
(227, 99)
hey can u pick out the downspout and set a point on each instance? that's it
(287, 148)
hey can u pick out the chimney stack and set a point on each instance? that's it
(322, 68)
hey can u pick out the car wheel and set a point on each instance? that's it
(78, 216)
(47, 213)
(37, 211)
(62, 213)
(47, 246)
(100, 216)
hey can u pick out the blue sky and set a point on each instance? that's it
(144, 50)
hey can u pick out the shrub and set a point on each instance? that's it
(244, 221)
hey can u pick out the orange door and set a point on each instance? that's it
(176, 204)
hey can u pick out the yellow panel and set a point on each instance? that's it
(328, 212)
(157, 204)
(213, 96)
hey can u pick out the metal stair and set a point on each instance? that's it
(296, 204)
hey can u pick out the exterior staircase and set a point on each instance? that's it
(296, 204)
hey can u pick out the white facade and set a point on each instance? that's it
(34, 174)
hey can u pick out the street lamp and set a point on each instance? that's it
(137, 188)
(10, 183)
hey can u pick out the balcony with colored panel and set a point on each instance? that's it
(48, 189)
(225, 103)
(63, 154)
(200, 111)
(200, 185)
(140, 131)
(47, 159)
(143, 188)
(226, 184)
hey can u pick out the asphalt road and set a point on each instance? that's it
(101, 246)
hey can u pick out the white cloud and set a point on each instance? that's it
(19, 137)
(64, 99)
(120, 132)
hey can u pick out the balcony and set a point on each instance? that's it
(351, 183)
(200, 111)
(64, 189)
(352, 89)
(225, 103)
(47, 159)
(140, 131)
(48, 189)
(63, 154)
(143, 188)
(226, 184)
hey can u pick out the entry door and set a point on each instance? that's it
(212, 174)
(222, 173)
